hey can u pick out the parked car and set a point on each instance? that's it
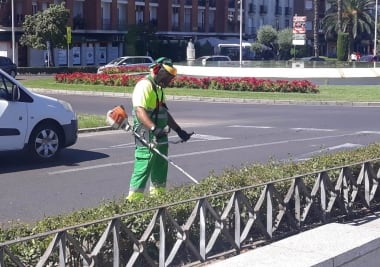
(128, 61)
(210, 59)
(8, 66)
(369, 58)
(38, 124)
(312, 59)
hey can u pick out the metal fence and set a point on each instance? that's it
(214, 225)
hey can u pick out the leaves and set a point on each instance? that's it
(48, 25)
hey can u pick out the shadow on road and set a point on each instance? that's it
(21, 161)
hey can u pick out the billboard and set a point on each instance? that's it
(299, 30)
(299, 24)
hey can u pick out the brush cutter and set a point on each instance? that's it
(117, 118)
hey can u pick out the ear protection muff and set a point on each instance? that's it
(156, 68)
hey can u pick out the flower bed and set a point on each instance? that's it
(128, 76)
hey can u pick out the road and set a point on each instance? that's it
(228, 135)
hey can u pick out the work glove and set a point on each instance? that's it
(183, 134)
(159, 133)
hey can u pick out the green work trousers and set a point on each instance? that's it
(148, 164)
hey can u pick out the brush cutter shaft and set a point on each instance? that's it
(152, 146)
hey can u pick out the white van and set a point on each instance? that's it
(40, 124)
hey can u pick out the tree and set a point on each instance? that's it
(267, 36)
(46, 26)
(316, 28)
(356, 19)
(285, 40)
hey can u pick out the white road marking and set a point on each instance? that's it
(205, 152)
(91, 167)
(209, 137)
(307, 156)
(368, 132)
(272, 127)
(251, 126)
(313, 129)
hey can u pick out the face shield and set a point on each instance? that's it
(165, 75)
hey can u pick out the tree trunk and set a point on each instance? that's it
(339, 5)
(316, 28)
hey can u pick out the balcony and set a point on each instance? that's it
(263, 9)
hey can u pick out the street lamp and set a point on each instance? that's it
(13, 32)
(375, 41)
(241, 33)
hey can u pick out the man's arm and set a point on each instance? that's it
(172, 123)
(144, 118)
(181, 133)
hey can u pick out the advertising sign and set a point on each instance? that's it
(76, 55)
(90, 55)
(299, 30)
(62, 57)
(102, 52)
(299, 24)
(68, 35)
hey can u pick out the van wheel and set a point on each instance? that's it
(45, 142)
(13, 73)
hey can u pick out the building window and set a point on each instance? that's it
(212, 3)
(287, 23)
(175, 19)
(153, 15)
(231, 3)
(122, 14)
(308, 4)
(188, 19)
(201, 20)
(106, 16)
(211, 20)
(34, 8)
(139, 14)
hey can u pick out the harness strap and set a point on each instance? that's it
(156, 109)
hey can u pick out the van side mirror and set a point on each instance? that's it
(15, 93)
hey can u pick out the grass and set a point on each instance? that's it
(91, 121)
(352, 93)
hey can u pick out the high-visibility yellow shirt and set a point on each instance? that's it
(144, 95)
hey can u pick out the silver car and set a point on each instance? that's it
(128, 61)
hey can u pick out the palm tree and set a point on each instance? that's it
(355, 18)
(316, 27)
(339, 10)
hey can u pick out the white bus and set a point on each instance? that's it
(233, 51)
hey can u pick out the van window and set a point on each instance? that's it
(6, 88)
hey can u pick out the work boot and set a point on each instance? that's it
(135, 196)
(157, 191)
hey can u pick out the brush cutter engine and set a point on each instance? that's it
(117, 118)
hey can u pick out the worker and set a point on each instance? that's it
(152, 121)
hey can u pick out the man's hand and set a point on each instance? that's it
(183, 134)
(159, 132)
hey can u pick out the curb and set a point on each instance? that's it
(217, 99)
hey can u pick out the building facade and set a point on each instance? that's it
(99, 27)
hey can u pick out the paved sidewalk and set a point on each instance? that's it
(335, 244)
